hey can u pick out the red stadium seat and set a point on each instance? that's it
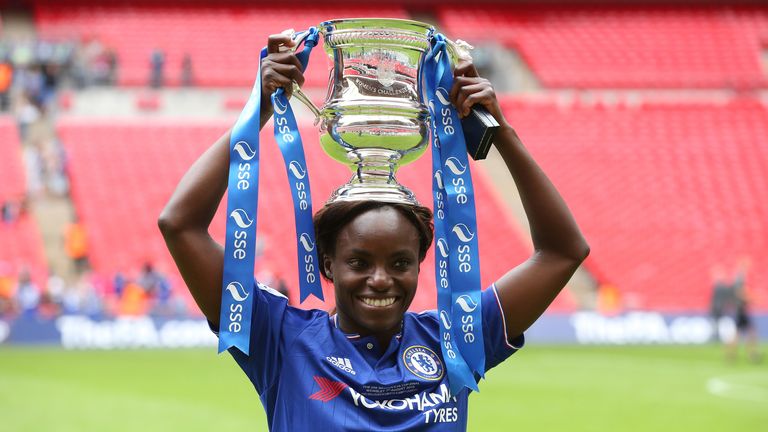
(12, 185)
(620, 47)
(662, 191)
(22, 244)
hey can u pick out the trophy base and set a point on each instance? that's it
(373, 178)
(393, 192)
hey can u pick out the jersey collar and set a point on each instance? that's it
(335, 320)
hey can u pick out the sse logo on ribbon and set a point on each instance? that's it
(455, 227)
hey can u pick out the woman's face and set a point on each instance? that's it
(375, 270)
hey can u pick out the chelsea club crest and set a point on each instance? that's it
(423, 362)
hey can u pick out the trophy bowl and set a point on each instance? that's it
(374, 119)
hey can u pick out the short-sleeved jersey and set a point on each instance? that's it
(310, 375)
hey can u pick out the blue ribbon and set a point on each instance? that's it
(240, 240)
(242, 203)
(457, 263)
(292, 149)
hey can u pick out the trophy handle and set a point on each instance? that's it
(298, 38)
(301, 96)
(459, 50)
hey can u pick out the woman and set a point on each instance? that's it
(370, 366)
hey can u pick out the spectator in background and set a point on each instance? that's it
(10, 211)
(94, 67)
(134, 301)
(6, 79)
(187, 75)
(720, 302)
(156, 65)
(91, 303)
(118, 284)
(7, 289)
(54, 167)
(150, 279)
(27, 293)
(48, 308)
(71, 300)
(744, 325)
(609, 299)
(27, 113)
(158, 292)
(50, 82)
(112, 64)
(76, 245)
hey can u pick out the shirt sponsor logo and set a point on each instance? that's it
(342, 363)
(431, 405)
(423, 362)
(420, 402)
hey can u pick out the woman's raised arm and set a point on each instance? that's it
(185, 219)
(527, 290)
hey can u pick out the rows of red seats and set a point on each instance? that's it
(223, 41)
(124, 172)
(12, 185)
(575, 46)
(22, 245)
(663, 192)
(620, 47)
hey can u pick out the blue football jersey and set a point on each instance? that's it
(310, 375)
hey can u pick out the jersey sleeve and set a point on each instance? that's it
(274, 327)
(498, 345)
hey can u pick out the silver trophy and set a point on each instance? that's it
(374, 119)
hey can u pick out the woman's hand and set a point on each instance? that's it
(281, 67)
(470, 89)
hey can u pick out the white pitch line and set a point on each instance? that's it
(739, 387)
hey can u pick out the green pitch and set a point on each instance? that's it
(541, 388)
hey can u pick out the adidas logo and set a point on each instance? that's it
(342, 363)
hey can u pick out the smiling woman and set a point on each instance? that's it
(373, 365)
(371, 251)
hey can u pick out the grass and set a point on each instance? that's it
(542, 388)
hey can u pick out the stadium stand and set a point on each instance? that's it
(617, 164)
(623, 47)
(223, 41)
(123, 173)
(22, 245)
(663, 191)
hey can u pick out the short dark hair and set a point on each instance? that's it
(330, 220)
